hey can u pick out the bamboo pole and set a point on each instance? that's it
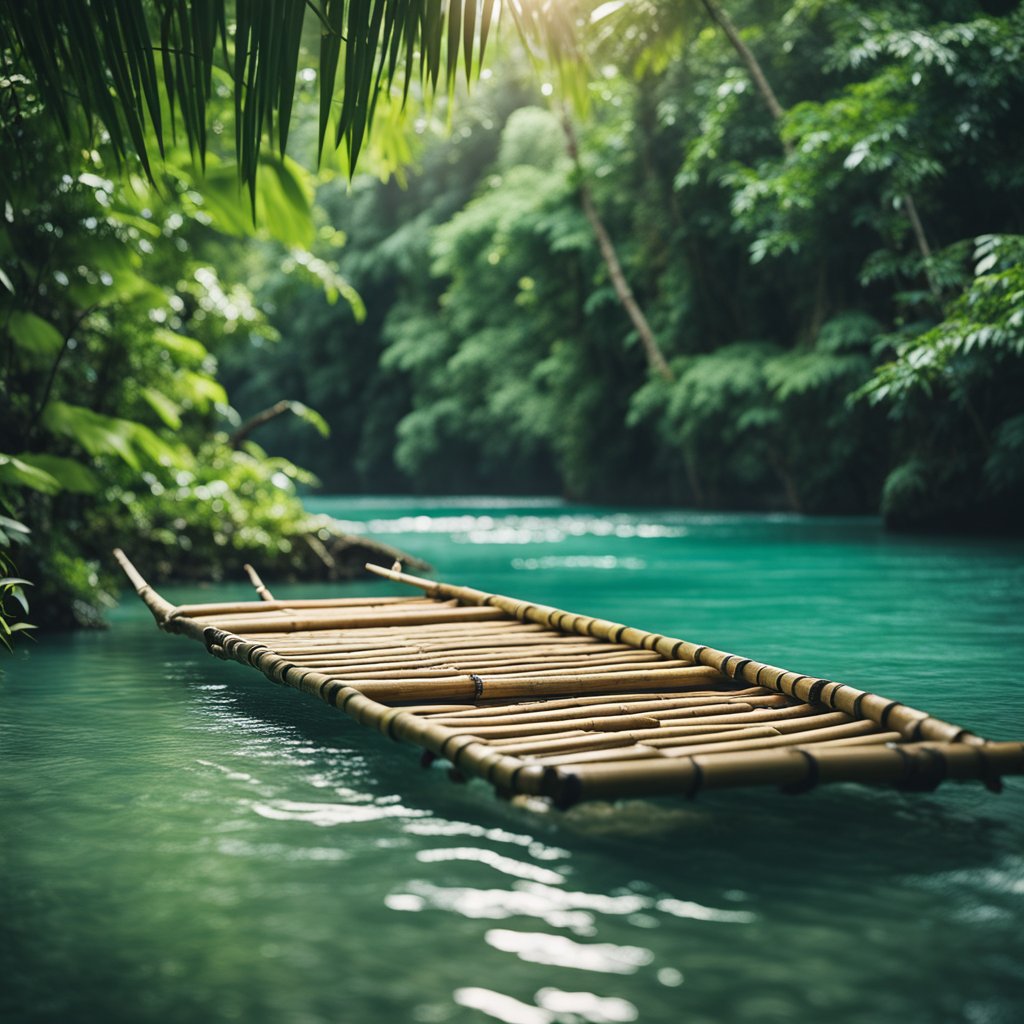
(568, 674)
(258, 585)
(476, 686)
(268, 624)
(511, 726)
(613, 755)
(644, 749)
(738, 718)
(574, 710)
(406, 658)
(555, 704)
(215, 610)
(914, 766)
(162, 610)
(608, 723)
(858, 728)
(413, 631)
(420, 637)
(629, 669)
(647, 751)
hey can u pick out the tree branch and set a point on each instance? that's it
(922, 242)
(652, 350)
(760, 79)
(264, 416)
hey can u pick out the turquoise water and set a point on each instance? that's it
(182, 841)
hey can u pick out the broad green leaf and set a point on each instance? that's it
(6, 523)
(312, 417)
(284, 202)
(35, 335)
(180, 345)
(15, 473)
(155, 447)
(168, 411)
(71, 474)
(19, 595)
(225, 203)
(201, 390)
(97, 434)
(11, 531)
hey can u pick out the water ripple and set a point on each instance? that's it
(553, 1006)
(325, 815)
(697, 912)
(573, 911)
(506, 865)
(525, 529)
(604, 562)
(491, 905)
(560, 951)
(441, 827)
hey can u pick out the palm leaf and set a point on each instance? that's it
(95, 60)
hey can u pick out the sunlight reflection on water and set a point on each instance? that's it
(440, 827)
(606, 562)
(516, 529)
(561, 951)
(327, 815)
(574, 911)
(506, 865)
(553, 1006)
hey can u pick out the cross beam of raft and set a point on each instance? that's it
(544, 702)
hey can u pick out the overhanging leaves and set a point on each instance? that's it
(121, 64)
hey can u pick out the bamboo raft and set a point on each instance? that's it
(547, 703)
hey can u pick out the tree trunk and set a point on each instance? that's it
(652, 350)
(922, 242)
(771, 101)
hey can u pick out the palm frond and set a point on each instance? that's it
(95, 62)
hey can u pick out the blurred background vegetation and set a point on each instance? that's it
(754, 255)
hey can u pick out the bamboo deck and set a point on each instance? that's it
(547, 703)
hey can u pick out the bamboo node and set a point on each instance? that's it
(923, 769)
(809, 781)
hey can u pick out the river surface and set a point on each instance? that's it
(182, 841)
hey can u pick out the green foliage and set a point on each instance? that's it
(495, 354)
(865, 241)
(769, 421)
(983, 327)
(220, 508)
(109, 321)
(144, 70)
(956, 387)
(13, 602)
